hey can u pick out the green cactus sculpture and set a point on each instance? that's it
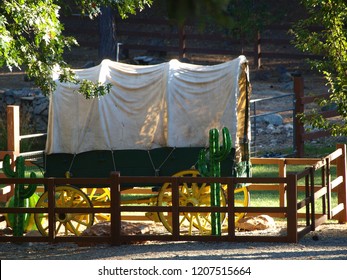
(21, 192)
(209, 166)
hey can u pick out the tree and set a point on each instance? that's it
(107, 33)
(31, 36)
(330, 42)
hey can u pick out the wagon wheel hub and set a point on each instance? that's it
(192, 202)
(63, 217)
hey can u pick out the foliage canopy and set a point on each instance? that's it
(330, 43)
(31, 36)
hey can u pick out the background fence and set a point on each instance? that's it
(138, 35)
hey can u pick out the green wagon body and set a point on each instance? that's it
(155, 162)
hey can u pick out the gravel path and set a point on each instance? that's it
(328, 242)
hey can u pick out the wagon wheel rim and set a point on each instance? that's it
(189, 195)
(99, 197)
(65, 223)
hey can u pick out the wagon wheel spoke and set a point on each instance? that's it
(82, 221)
(72, 228)
(58, 228)
(101, 217)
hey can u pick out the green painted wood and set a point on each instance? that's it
(160, 161)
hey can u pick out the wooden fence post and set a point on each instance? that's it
(51, 209)
(257, 51)
(13, 129)
(182, 41)
(115, 207)
(292, 217)
(342, 188)
(299, 108)
(13, 146)
(282, 172)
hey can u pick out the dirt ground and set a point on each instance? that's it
(328, 242)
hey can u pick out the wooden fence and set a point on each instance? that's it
(140, 35)
(287, 185)
(329, 181)
(301, 101)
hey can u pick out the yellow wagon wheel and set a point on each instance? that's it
(99, 197)
(189, 195)
(65, 223)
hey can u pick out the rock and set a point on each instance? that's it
(270, 128)
(33, 105)
(104, 229)
(260, 130)
(288, 126)
(274, 119)
(40, 105)
(9, 98)
(33, 233)
(6, 231)
(260, 222)
(277, 131)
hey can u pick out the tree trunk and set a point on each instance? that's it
(107, 34)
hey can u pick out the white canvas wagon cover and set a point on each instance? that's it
(171, 104)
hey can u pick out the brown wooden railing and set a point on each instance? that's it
(331, 182)
(289, 208)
